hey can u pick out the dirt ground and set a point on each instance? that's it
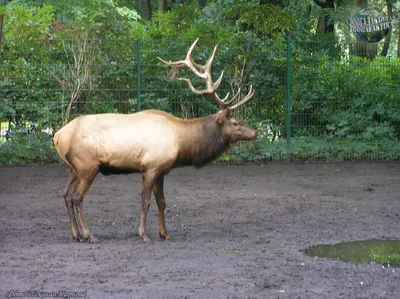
(236, 233)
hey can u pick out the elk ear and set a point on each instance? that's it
(222, 116)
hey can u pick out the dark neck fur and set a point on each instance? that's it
(201, 141)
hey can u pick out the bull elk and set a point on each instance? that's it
(151, 142)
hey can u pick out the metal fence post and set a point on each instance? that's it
(288, 118)
(138, 83)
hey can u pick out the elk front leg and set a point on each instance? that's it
(149, 177)
(158, 190)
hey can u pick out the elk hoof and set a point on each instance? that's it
(146, 239)
(78, 237)
(91, 239)
(164, 236)
(143, 235)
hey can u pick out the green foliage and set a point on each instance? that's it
(356, 99)
(28, 149)
(92, 11)
(264, 19)
(27, 23)
(174, 23)
(223, 20)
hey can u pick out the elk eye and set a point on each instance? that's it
(235, 124)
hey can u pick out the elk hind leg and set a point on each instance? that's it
(82, 186)
(158, 189)
(68, 197)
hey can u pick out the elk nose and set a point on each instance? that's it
(254, 136)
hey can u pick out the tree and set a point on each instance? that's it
(388, 36)
(162, 6)
(1, 28)
(325, 23)
(362, 4)
(398, 46)
(264, 19)
(3, 4)
(202, 3)
(145, 9)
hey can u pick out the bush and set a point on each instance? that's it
(33, 148)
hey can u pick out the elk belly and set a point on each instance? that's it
(136, 149)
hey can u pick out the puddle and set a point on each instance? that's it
(384, 252)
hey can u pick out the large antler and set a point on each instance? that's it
(204, 72)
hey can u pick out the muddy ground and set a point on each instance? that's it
(236, 233)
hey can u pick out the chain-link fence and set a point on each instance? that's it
(314, 101)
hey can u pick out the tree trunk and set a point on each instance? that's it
(362, 4)
(398, 38)
(162, 6)
(202, 3)
(388, 36)
(325, 24)
(398, 47)
(145, 9)
(1, 29)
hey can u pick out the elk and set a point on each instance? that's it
(151, 142)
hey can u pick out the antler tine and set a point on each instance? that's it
(210, 60)
(188, 62)
(214, 86)
(222, 102)
(233, 98)
(192, 88)
(249, 95)
(181, 63)
(189, 53)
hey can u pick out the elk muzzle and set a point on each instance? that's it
(250, 134)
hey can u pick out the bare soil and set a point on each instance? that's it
(236, 233)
